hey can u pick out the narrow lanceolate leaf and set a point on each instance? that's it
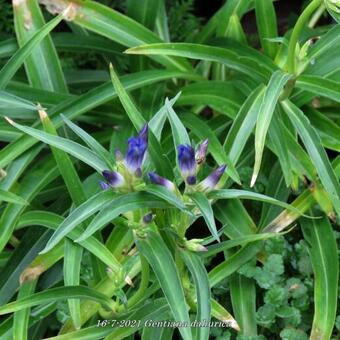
(323, 253)
(21, 318)
(233, 263)
(160, 259)
(73, 148)
(52, 221)
(243, 298)
(220, 313)
(166, 195)
(89, 140)
(55, 294)
(179, 132)
(43, 67)
(73, 252)
(312, 143)
(158, 157)
(243, 124)
(18, 58)
(7, 196)
(107, 22)
(319, 86)
(236, 193)
(205, 52)
(78, 215)
(204, 206)
(120, 205)
(266, 26)
(271, 96)
(202, 287)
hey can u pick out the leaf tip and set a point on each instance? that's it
(253, 179)
(9, 120)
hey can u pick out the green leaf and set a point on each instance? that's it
(266, 26)
(159, 257)
(73, 148)
(90, 141)
(233, 263)
(239, 241)
(311, 141)
(122, 204)
(236, 193)
(179, 132)
(37, 178)
(220, 313)
(243, 298)
(43, 67)
(12, 66)
(323, 253)
(319, 86)
(204, 206)
(52, 221)
(78, 215)
(205, 52)
(166, 195)
(7, 196)
(115, 26)
(271, 96)
(200, 276)
(56, 294)
(21, 318)
(243, 124)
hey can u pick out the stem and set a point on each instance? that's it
(316, 16)
(296, 33)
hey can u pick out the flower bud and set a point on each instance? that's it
(201, 152)
(156, 179)
(147, 218)
(113, 178)
(194, 245)
(187, 163)
(103, 185)
(210, 182)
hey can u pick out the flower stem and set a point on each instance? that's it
(294, 38)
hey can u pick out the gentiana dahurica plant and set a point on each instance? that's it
(121, 208)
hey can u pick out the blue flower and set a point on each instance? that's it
(187, 163)
(210, 182)
(201, 152)
(114, 179)
(137, 147)
(156, 179)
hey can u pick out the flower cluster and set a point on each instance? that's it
(130, 166)
(189, 162)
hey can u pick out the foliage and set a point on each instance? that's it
(159, 166)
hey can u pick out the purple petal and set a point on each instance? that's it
(186, 160)
(113, 178)
(143, 133)
(156, 179)
(103, 185)
(135, 153)
(211, 181)
(191, 180)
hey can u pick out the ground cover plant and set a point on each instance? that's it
(169, 169)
